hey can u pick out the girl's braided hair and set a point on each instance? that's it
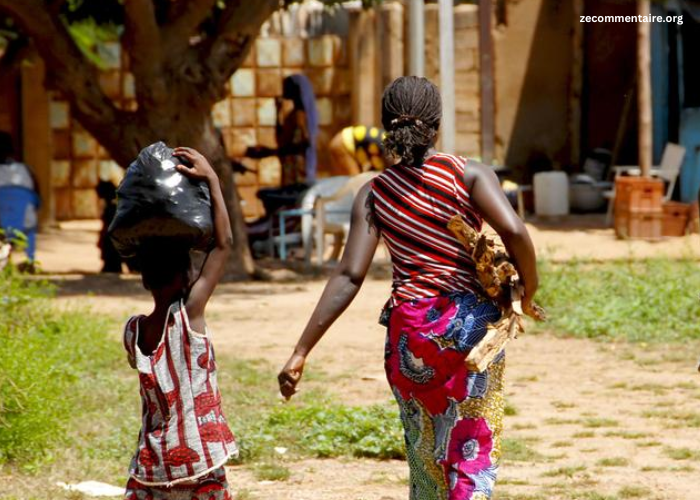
(411, 112)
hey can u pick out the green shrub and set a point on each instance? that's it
(325, 429)
(47, 362)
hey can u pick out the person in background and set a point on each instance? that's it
(358, 149)
(16, 174)
(438, 310)
(296, 133)
(111, 260)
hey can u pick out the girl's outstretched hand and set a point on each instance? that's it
(200, 169)
(290, 375)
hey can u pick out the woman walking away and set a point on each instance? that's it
(437, 310)
(184, 440)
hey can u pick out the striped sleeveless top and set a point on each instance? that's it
(184, 434)
(411, 208)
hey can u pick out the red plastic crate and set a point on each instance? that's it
(676, 216)
(638, 194)
(694, 218)
(639, 225)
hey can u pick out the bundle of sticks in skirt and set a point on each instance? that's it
(499, 279)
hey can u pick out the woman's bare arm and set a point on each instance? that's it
(339, 292)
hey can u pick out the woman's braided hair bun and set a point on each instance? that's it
(411, 112)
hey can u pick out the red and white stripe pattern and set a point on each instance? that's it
(184, 434)
(412, 206)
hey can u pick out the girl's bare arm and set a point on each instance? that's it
(215, 263)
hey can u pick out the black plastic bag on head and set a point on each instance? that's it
(156, 202)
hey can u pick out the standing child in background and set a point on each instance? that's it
(111, 260)
(184, 440)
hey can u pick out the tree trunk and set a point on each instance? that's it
(176, 82)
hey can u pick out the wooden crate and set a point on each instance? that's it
(694, 218)
(676, 216)
(638, 194)
(641, 225)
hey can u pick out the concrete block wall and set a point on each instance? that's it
(77, 160)
(248, 116)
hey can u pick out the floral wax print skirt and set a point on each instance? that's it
(212, 486)
(452, 418)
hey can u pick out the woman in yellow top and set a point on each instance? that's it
(357, 149)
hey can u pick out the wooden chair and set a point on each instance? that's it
(670, 168)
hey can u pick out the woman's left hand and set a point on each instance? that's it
(291, 374)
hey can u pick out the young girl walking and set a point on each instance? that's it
(437, 310)
(184, 440)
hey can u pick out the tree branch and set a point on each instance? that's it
(238, 27)
(184, 16)
(67, 69)
(143, 42)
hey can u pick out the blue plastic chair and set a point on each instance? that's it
(14, 201)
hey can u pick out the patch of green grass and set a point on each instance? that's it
(522, 427)
(626, 434)
(517, 450)
(311, 424)
(618, 385)
(648, 444)
(592, 495)
(271, 472)
(56, 368)
(564, 471)
(505, 495)
(510, 410)
(562, 405)
(583, 434)
(613, 462)
(682, 453)
(642, 300)
(594, 423)
(513, 482)
(633, 492)
(562, 444)
(683, 468)
(243, 494)
(561, 421)
(681, 418)
(325, 429)
(383, 477)
(656, 389)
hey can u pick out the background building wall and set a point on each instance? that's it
(533, 64)
(467, 88)
(349, 56)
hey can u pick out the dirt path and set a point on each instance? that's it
(585, 419)
(73, 246)
(587, 416)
